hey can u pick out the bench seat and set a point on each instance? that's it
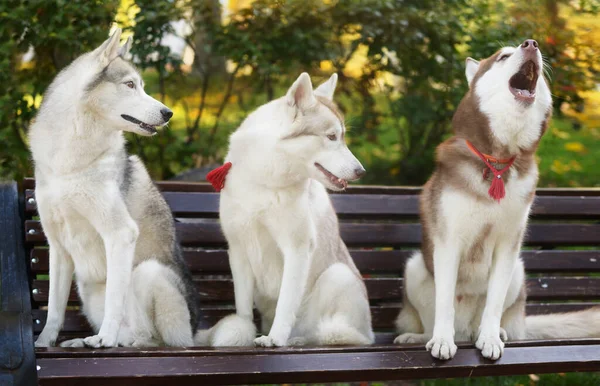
(380, 226)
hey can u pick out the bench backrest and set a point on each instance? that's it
(381, 228)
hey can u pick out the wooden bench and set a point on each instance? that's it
(380, 226)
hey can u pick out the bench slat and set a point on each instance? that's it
(206, 205)
(208, 234)
(383, 316)
(368, 262)
(176, 186)
(388, 289)
(270, 366)
(384, 337)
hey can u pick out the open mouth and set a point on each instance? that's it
(337, 182)
(149, 128)
(522, 84)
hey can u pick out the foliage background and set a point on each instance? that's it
(401, 67)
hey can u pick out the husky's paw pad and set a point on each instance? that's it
(409, 338)
(267, 341)
(491, 346)
(441, 348)
(98, 341)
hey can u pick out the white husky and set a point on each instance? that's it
(285, 250)
(470, 261)
(102, 215)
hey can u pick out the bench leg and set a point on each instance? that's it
(17, 355)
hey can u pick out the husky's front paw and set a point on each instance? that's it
(44, 342)
(98, 341)
(491, 346)
(268, 341)
(46, 339)
(442, 347)
(78, 342)
(409, 337)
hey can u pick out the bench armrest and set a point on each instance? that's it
(17, 355)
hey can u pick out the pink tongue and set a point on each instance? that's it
(524, 93)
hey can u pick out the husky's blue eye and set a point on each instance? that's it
(130, 84)
(332, 137)
(504, 57)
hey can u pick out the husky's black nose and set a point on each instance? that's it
(530, 45)
(166, 114)
(359, 172)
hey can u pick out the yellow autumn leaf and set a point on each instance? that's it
(326, 65)
(560, 134)
(534, 377)
(576, 147)
(558, 167)
(574, 165)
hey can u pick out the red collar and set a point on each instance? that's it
(497, 188)
(488, 157)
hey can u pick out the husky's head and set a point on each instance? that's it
(114, 91)
(511, 74)
(316, 134)
(510, 91)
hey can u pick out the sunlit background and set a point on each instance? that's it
(401, 67)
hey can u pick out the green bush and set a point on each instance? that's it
(398, 102)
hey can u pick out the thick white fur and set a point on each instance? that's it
(285, 251)
(92, 229)
(490, 285)
(569, 325)
(232, 330)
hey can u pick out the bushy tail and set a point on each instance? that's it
(336, 331)
(232, 330)
(579, 324)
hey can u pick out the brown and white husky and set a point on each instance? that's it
(474, 212)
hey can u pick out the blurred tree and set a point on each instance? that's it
(52, 33)
(416, 43)
(152, 22)
(401, 66)
(571, 61)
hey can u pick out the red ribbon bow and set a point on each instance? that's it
(217, 176)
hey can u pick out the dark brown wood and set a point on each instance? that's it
(59, 352)
(383, 316)
(208, 234)
(375, 261)
(383, 221)
(176, 186)
(387, 289)
(270, 366)
(206, 205)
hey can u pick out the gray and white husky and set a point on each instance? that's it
(104, 219)
(285, 250)
(468, 281)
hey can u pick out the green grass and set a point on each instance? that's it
(574, 379)
(569, 157)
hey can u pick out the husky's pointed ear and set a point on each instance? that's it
(110, 49)
(301, 93)
(327, 89)
(471, 69)
(124, 50)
